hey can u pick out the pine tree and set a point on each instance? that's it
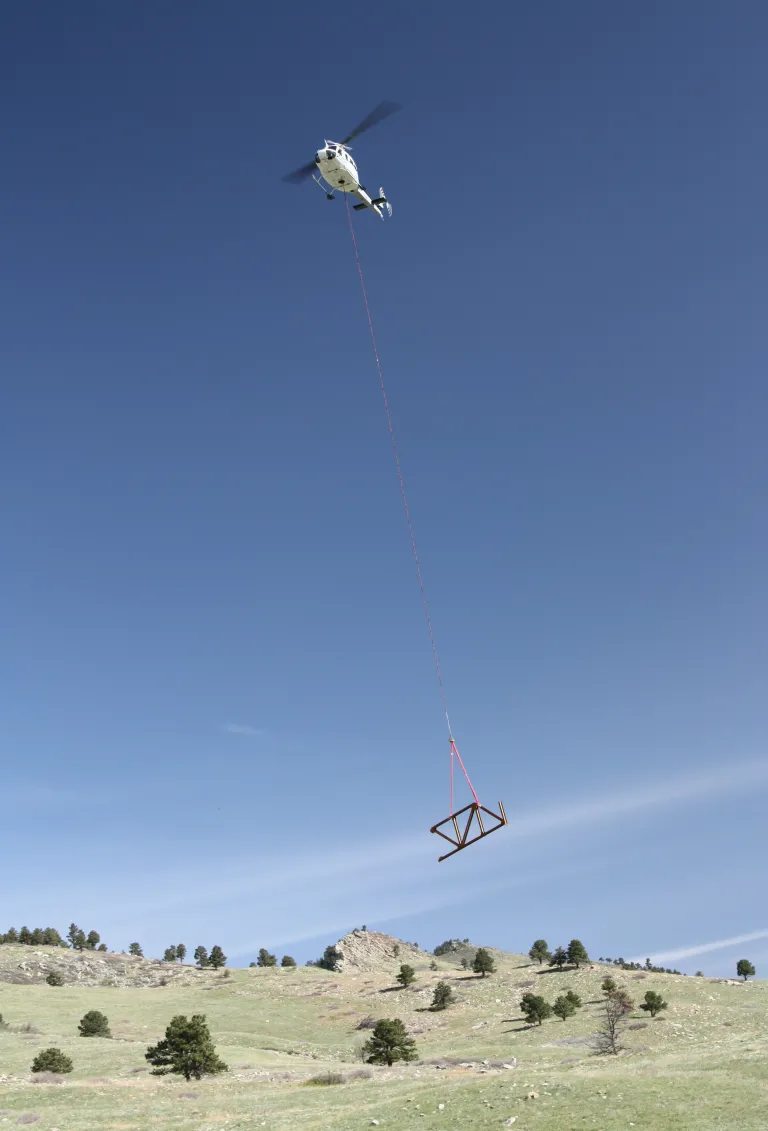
(12, 936)
(483, 962)
(539, 952)
(181, 952)
(136, 950)
(52, 1060)
(745, 969)
(217, 957)
(94, 1024)
(396, 950)
(330, 960)
(535, 1008)
(609, 986)
(654, 1003)
(73, 936)
(25, 936)
(574, 999)
(559, 958)
(169, 955)
(577, 952)
(102, 946)
(389, 1042)
(54, 979)
(287, 960)
(36, 938)
(406, 977)
(201, 957)
(442, 997)
(563, 1008)
(265, 958)
(186, 1050)
(93, 940)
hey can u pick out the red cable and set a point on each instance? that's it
(407, 512)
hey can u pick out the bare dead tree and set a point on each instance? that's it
(614, 1014)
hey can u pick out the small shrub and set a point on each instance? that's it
(638, 1025)
(47, 1078)
(367, 1023)
(433, 965)
(3, 1024)
(94, 1024)
(443, 997)
(360, 1074)
(654, 1003)
(406, 977)
(28, 1117)
(325, 1079)
(54, 979)
(563, 1008)
(574, 999)
(535, 1008)
(52, 1060)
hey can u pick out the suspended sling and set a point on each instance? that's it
(461, 838)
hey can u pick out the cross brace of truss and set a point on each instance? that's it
(461, 830)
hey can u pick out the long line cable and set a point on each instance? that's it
(401, 481)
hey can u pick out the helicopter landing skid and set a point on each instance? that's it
(320, 185)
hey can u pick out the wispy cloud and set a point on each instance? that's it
(241, 728)
(320, 888)
(37, 795)
(705, 948)
(732, 780)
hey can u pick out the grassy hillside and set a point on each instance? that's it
(702, 1064)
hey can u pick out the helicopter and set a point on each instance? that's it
(334, 168)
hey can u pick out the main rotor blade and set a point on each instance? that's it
(299, 175)
(382, 111)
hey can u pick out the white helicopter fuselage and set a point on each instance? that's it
(337, 168)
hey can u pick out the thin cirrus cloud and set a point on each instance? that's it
(705, 948)
(241, 728)
(301, 894)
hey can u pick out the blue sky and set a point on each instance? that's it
(220, 720)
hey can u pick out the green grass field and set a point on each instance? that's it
(702, 1064)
